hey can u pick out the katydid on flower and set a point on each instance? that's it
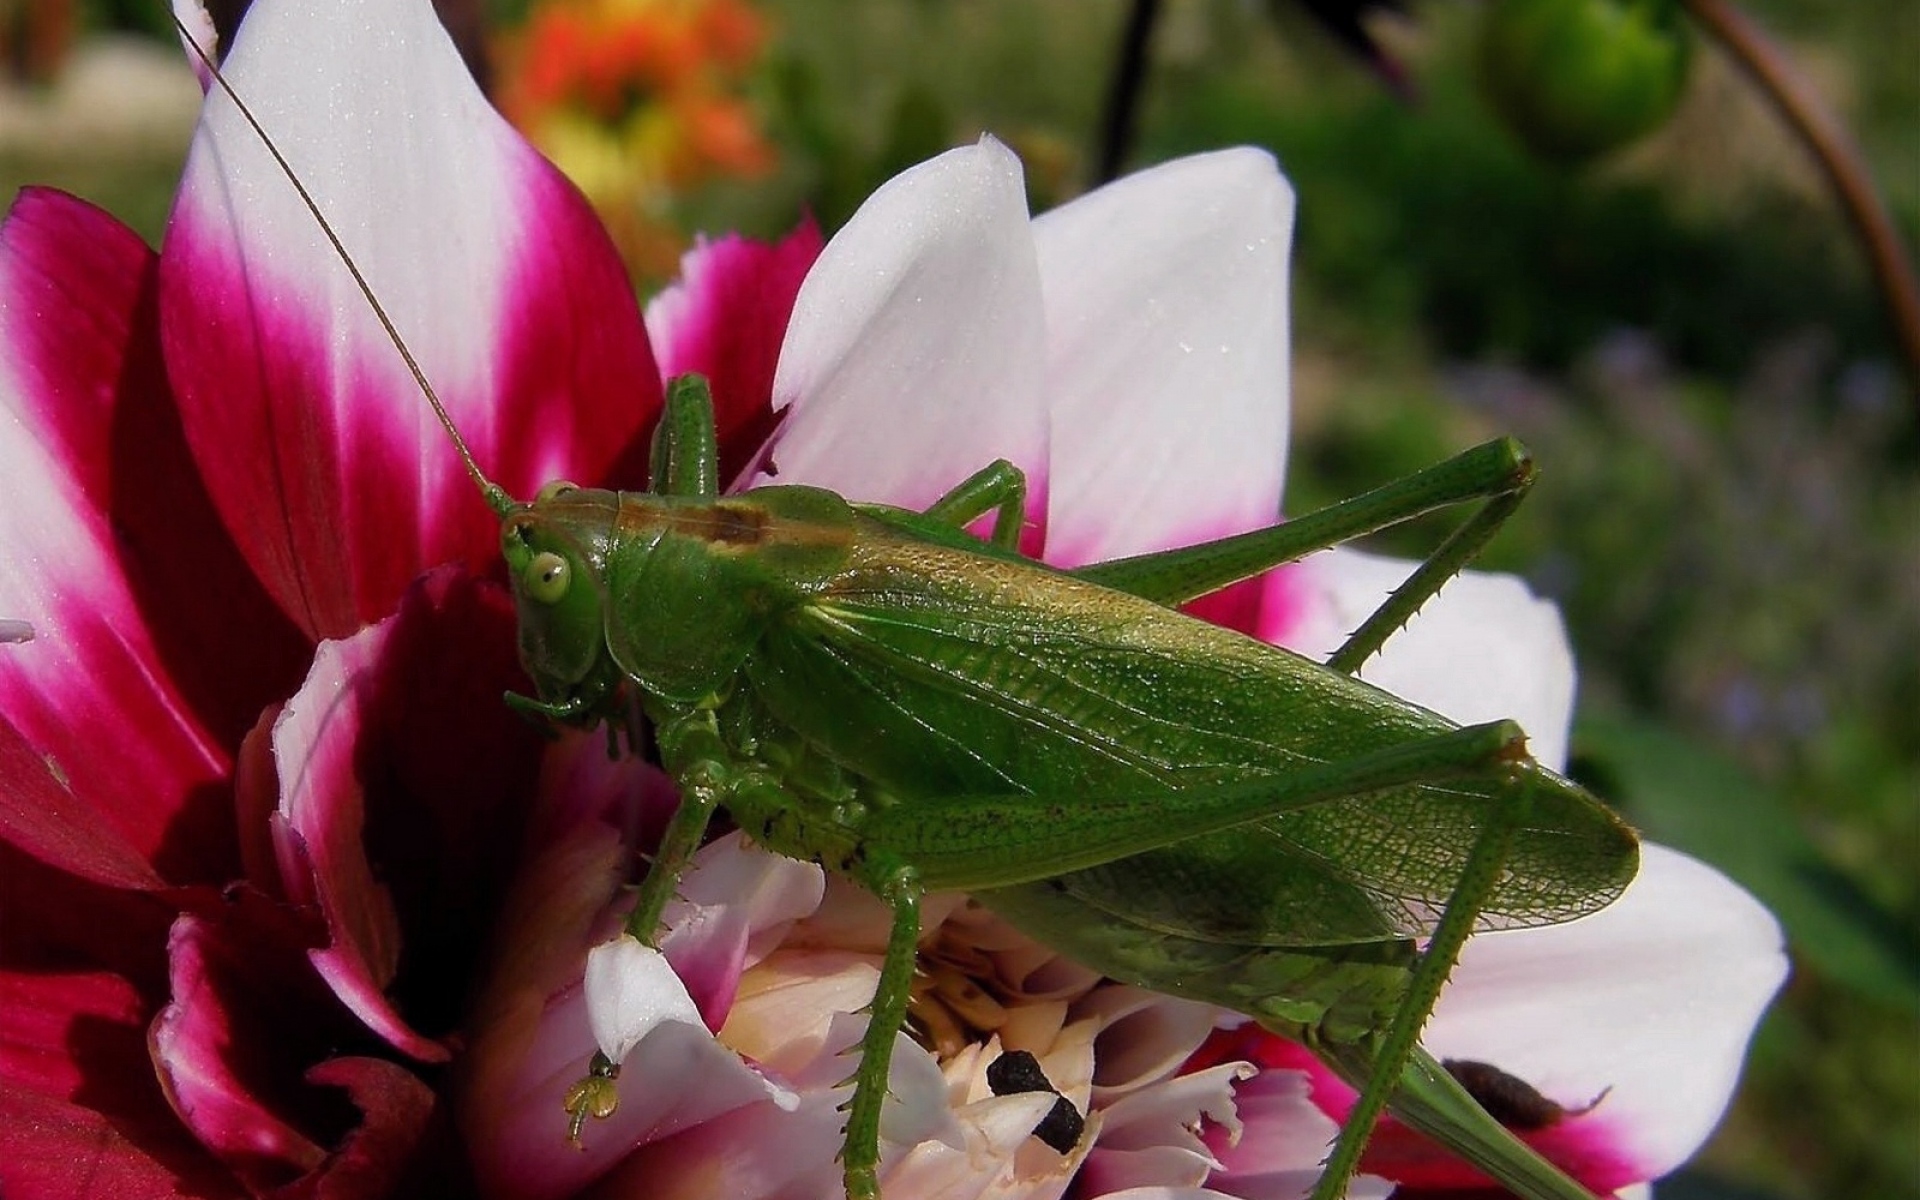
(1174, 804)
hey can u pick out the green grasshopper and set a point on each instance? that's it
(1171, 803)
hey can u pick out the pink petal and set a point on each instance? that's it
(915, 356)
(319, 450)
(80, 1112)
(405, 784)
(1167, 362)
(113, 557)
(725, 319)
(1485, 648)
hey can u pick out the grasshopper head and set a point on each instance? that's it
(553, 562)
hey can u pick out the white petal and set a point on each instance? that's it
(1485, 648)
(1167, 360)
(630, 992)
(1650, 1001)
(915, 353)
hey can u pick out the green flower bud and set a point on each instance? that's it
(1577, 78)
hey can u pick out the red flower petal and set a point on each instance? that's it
(321, 455)
(383, 1149)
(53, 921)
(122, 704)
(725, 319)
(80, 1112)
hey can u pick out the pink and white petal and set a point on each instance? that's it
(1647, 1005)
(320, 452)
(674, 1079)
(1283, 1141)
(1167, 369)
(1143, 1037)
(1152, 1137)
(80, 1111)
(916, 355)
(404, 720)
(90, 698)
(759, 1152)
(725, 318)
(733, 907)
(1483, 649)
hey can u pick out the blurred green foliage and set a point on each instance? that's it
(1730, 509)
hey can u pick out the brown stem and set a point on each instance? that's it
(1838, 156)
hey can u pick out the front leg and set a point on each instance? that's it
(900, 887)
(696, 756)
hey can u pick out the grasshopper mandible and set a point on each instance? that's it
(1171, 803)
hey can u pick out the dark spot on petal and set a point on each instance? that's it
(1510, 1100)
(1018, 1072)
(1015, 1073)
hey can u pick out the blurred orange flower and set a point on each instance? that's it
(638, 101)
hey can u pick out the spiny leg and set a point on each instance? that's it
(860, 1153)
(1428, 578)
(685, 458)
(999, 487)
(1477, 880)
(1499, 473)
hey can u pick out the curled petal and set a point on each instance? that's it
(231, 1038)
(1483, 649)
(320, 452)
(396, 1108)
(1143, 1038)
(916, 352)
(1152, 1137)
(733, 907)
(404, 790)
(1283, 1141)
(631, 991)
(249, 1053)
(1167, 371)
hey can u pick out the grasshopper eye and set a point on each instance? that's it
(547, 577)
(558, 487)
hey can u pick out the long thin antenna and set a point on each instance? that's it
(495, 495)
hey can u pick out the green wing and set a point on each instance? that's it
(932, 672)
